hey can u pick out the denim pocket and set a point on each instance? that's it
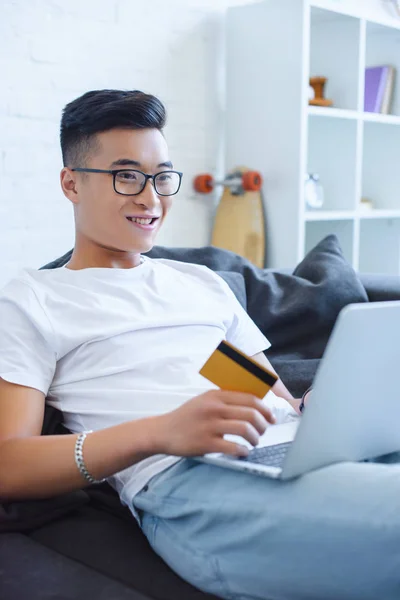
(185, 558)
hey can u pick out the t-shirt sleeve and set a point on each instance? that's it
(243, 332)
(27, 344)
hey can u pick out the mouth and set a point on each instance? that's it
(143, 223)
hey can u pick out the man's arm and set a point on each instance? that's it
(36, 466)
(279, 388)
(32, 465)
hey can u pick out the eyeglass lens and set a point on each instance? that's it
(132, 182)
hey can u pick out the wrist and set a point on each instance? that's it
(304, 399)
(295, 404)
(154, 438)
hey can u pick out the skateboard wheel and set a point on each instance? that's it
(252, 181)
(203, 184)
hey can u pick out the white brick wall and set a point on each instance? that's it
(51, 51)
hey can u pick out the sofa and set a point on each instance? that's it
(85, 544)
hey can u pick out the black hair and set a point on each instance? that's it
(102, 110)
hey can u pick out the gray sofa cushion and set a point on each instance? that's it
(30, 570)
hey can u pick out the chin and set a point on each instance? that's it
(140, 247)
(146, 247)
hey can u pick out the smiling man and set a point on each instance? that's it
(108, 141)
(115, 341)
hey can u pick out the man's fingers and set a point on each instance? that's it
(242, 428)
(231, 448)
(251, 415)
(238, 398)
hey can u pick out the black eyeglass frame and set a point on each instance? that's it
(114, 173)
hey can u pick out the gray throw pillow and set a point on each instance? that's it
(299, 310)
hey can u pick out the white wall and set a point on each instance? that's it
(51, 51)
(369, 9)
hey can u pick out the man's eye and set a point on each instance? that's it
(163, 178)
(127, 176)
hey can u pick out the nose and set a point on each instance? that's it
(147, 197)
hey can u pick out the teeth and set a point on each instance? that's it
(141, 221)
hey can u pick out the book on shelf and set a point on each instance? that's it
(388, 95)
(378, 92)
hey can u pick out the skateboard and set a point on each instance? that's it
(239, 223)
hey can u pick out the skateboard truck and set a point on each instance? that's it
(237, 182)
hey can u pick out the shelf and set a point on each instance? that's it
(381, 173)
(382, 48)
(351, 11)
(378, 118)
(337, 61)
(380, 246)
(353, 152)
(344, 229)
(341, 113)
(332, 154)
(345, 215)
(329, 215)
(332, 113)
(379, 214)
(390, 25)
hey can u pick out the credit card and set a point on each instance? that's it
(231, 369)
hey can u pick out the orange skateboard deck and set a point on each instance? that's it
(239, 223)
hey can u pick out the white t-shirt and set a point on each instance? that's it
(109, 345)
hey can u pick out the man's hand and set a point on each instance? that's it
(198, 426)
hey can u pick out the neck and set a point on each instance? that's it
(88, 255)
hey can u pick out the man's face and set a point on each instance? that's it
(100, 212)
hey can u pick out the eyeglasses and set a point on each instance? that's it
(130, 182)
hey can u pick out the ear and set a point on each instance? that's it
(69, 185)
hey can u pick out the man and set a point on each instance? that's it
(116, 340)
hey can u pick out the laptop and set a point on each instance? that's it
(353, 413)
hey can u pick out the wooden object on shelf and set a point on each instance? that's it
(318, 84)
(239, 224)
(366, 204)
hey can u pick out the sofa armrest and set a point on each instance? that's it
(380, 287)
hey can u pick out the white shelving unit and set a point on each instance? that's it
(273, 47)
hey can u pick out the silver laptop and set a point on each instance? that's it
(353, 413)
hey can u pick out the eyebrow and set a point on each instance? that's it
(128, 162)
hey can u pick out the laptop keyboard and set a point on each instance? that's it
(271, 456)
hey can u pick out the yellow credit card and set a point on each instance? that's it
(231, 369)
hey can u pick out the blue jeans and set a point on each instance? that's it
(332, 534)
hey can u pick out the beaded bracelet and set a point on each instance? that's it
(80, 463)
